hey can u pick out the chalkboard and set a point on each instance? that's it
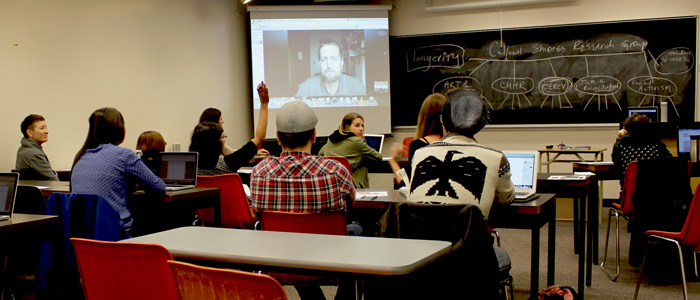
(576, 73)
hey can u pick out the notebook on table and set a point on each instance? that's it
(8, 192)
(376, 141)
(523, 173)
(178, 170)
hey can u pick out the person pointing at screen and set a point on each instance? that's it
(331, 82)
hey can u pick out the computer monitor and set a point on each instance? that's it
(652, 112)
(685, 131)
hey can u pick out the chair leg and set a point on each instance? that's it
(641, 269)
(680, 256)
(612, 277)
(695, 264)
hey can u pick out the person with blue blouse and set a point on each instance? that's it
(103, 168)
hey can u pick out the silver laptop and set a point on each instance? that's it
(8, 191)
(178, 170)
(376, 141)
(523, 172)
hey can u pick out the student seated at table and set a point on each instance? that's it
(214, 115)
(103, 168)
(348, 141)
(209, 140)
(32, 162)
(151, 144)
(320, 184)
(458, 169)
(636, 141)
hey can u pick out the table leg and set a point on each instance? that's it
(592, 245)
(534, 263)
(577, 225)
(581, 247)
(551, 245)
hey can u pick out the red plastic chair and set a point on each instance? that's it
(197, 282)
(235, 209)
(406, 142)
(333, 223)
(343, 161)
(689, 236)
(624, 209)
(111, 270)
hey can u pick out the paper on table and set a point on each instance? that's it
(566, 177)
(41, 187)
(369, 195)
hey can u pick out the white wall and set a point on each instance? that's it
(160, 62)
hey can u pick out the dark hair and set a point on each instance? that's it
(206, 140)
(106, 127)
(210, 114)
(636, 123)
(464, 112)
(429, 116)
(150, 140)
(347, 121)
(29, 122)
(295, 140)
(329, 42)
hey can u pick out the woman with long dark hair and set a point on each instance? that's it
(103, 168)
(209, 140)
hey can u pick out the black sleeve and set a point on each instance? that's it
(235, 160)
(415, 145)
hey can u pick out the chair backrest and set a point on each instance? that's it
(235, 208)
(112, 270)
(343, 161)
(662, 194)
(197, 282)
(321, 223)
(691, 229)
(30, 200)
(406, 142)
(82, 216)
(628, 188)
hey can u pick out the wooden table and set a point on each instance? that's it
(189, 199)
(326, 254)
(582, 191)
(531, 215)
(24, 229)
(597, 156)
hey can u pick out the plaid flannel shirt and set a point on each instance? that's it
(300, 182)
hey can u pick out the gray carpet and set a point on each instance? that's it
(517, 244)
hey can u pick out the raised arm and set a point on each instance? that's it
(261, 129)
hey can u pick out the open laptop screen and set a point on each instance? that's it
(375, 141)
(522, 169)
(179, 167)
(8, 187)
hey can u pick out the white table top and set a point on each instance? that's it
(364, 255)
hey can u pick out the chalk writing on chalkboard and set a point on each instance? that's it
(571, 73)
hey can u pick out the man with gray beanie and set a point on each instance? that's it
(458, 169)
(297, 181)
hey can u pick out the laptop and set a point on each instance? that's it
(376, 141)
(8, 191)
(178, 170)
(523, 172)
